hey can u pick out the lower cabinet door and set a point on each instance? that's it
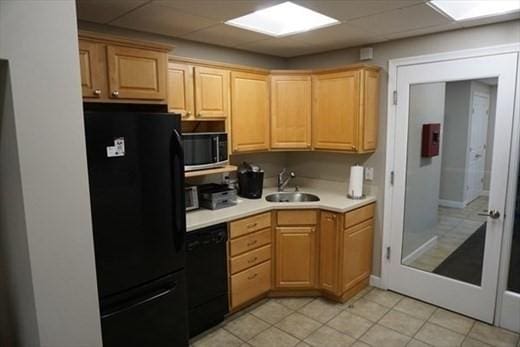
(251, 283)
(329, 239)
(295, 257)
(357, 254)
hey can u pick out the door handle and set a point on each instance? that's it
(491, 214)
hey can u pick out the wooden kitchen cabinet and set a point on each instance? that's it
(211, 93)
(180, 89)
(329, 251)
(92, 63)
(135, 73)
(119, 70)
(295, 257)
(291, 111)
(249, 112)
(345, 110)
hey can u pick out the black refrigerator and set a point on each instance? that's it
(136, 177)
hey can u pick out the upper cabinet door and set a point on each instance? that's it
(290, 112)
(249, 112)
(180, 89)
(92, 68)
(211, 93)
(369, 110)
(135, 73)
(336, 110)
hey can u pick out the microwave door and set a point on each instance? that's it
(198, 152)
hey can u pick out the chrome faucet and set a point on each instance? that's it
(283, 179)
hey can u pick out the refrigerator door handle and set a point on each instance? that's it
(179, 213)
(139, 303)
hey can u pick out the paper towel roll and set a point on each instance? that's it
(355, 185)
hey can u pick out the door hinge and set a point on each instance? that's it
(388, 253)
(392, 176)
(395, 97)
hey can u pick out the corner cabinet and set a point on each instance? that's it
(346, 251)
(345, 109)
(291, 111)
(115, 69)
(249, 112)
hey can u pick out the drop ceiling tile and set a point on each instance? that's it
(343, 10)
(424, 31)
(162, 20)
(404, 19)
(103, 11)
(338, 36)
(283, 47)
(224, 35)
(220, 10)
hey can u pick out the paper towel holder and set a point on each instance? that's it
(363, 196)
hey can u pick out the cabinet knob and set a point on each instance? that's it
(188, 113)
(97, 92)
(115, 93)
(199, 114)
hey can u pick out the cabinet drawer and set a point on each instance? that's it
(359, 215)
(250, 224)
(297, 217)
(250, 242)
(250, 283)
(249, 259)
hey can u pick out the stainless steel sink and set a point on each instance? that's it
(291, 197)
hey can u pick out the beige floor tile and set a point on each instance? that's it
(218, 338)
(452, 321)
(273, 337)
(383, 297)
(246, 326)
(360, 344)
(298, 325)
(368, 309)
(401, 322)
(293, 303)
(380, 336)
(350, 324)
(302, 344)
(469, 342)
(415, 308)
(328, 337)
(321, 310)
(438, 336)
(271, 312)
(493, 335)
(417, 343)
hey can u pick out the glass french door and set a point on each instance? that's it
(454, 121)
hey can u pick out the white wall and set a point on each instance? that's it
(489, 35)
(48, 228)
(423, 175)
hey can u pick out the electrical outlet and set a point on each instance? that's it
(369, 173)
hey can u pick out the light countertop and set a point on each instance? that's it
(332, 198)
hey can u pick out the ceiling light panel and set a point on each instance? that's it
(471, 9)
(282, 20)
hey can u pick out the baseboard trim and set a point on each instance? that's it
(420, 250)
(451, 203)
(484, 193)
(375, 281)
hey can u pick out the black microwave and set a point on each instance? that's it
(204, 150)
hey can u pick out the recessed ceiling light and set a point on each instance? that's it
(470, 9)
(282, 20)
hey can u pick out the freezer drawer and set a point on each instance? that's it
(155, 315)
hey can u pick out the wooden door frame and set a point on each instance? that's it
(393, 65)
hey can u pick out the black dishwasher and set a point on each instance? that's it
(207, 282)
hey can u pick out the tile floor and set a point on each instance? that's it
(454, 227)
(372, 318)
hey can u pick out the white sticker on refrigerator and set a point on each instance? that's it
(118, 149)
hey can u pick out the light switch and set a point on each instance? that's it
(369, 173)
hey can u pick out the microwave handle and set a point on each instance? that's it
(179, 205)
(216, 148)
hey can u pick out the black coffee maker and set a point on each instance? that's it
(250, 181)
